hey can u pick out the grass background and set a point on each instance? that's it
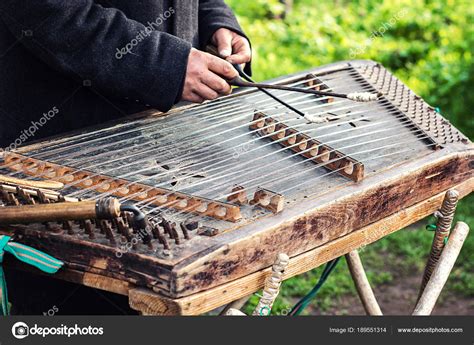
(429, 46)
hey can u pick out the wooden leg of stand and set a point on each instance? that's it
(442, 270)
(362, 284)
(238, 304)
(234, 312)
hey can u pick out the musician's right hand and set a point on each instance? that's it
(206, 77)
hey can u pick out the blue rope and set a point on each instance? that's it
(28, 255)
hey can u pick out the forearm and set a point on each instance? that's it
(80, 39)
(213, 15)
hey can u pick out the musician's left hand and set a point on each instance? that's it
(231, 46)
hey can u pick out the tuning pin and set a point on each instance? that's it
(109, 234)
(68, 226)
(89, 229)
(184, 230)
(175, 233)
(167, 227)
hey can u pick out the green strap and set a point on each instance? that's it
(303, 303)
(433, 227)
(31, 256)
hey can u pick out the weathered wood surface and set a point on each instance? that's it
(149, 303)
(152, 303)
(210, 299)
(31, 184)
(314, 214)
(250, 249)
(316, 222)
(118, 187)
(99, 259)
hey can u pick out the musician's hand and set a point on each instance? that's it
(232, 47)
(206, 77)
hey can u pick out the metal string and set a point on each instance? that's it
(188, 112)
(191, 154)
(203, 162)
(99, 148)
(304, 171)
(251, 169)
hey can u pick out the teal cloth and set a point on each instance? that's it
(31, 256)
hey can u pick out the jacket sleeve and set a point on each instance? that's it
(213, 15)
(86, 41)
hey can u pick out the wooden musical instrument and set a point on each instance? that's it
(230, 183)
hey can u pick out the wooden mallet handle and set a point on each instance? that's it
(30, 183)
(57, 212)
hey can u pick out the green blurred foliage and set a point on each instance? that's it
(429, 46)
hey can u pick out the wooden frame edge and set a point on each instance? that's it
(208, 300)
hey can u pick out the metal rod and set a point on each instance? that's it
(278, 99)
(211, 49)
(238, 81)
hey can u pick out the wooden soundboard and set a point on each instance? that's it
(355, 201)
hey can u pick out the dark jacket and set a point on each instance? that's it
(68, 64)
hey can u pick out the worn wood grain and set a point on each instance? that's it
(210, 299)
(314, 213)
(152, 303)
(149, 303)
(98, 258)
(119, 187)
(319, 221)
(205, 301)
